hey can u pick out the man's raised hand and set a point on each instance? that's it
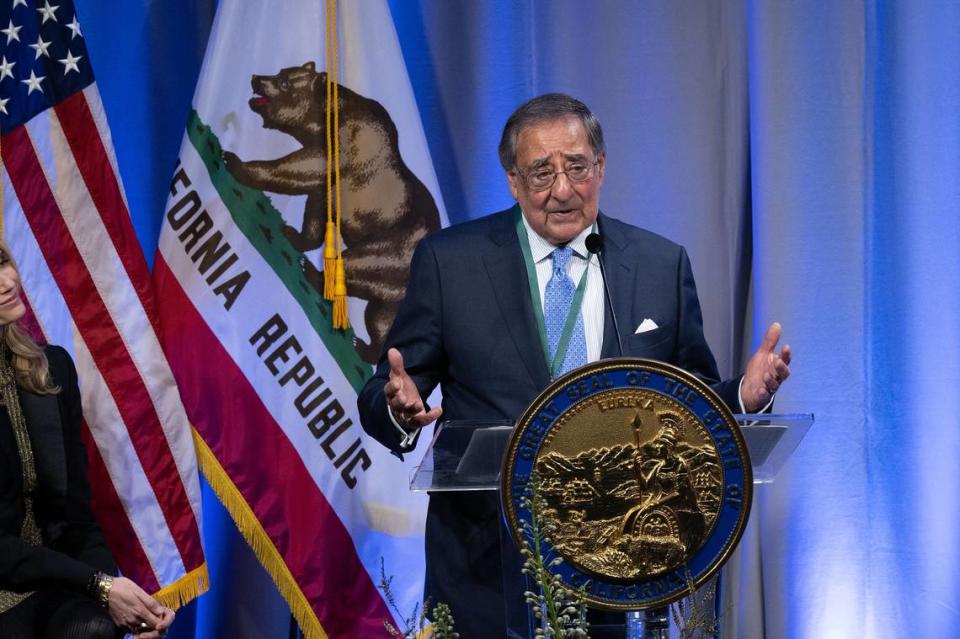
(766, 371)
(403, 397)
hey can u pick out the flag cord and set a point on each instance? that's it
(340, 318)
(329, 239)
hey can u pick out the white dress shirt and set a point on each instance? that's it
(593, 307)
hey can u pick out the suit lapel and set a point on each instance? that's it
(42, 414)
(621, 281)
(508, 275)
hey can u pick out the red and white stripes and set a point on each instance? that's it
(66, 221)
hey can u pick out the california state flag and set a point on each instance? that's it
(268, 382)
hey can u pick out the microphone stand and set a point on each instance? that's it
(594, 243)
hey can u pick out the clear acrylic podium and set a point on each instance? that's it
(467, 455)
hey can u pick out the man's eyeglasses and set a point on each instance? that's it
(544, 178)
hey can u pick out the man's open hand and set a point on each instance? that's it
(403, 397)
(766, 371)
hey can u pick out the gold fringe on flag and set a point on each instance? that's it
(186, 589)
(258, 539)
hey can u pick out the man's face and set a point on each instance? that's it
(560, 212)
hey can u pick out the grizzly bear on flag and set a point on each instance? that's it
(386, 209)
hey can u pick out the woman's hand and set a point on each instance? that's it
(161, 628)
(130, 607)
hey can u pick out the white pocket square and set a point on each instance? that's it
(646, 326)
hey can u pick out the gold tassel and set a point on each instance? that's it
(340, 319)
(329, 260)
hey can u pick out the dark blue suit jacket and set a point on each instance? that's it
(467, 324)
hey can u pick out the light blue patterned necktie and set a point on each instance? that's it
(557, 299)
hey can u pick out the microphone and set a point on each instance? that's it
(594, 244)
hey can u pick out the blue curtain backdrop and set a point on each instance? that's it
(808, 156)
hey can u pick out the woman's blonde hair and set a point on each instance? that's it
(28, 360)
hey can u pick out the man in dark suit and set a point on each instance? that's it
(475, 322)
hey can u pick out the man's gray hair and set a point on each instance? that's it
(547, 108)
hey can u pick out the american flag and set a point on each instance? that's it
(87, 288)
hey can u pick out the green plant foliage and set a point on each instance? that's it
(560, 610)
(415, 625)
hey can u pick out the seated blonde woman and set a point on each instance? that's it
(57, 578)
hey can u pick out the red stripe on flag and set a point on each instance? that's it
(90, 155)
(267, 470)
(114, 522)
(104, 341)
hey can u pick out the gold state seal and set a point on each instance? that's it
(642, 476)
